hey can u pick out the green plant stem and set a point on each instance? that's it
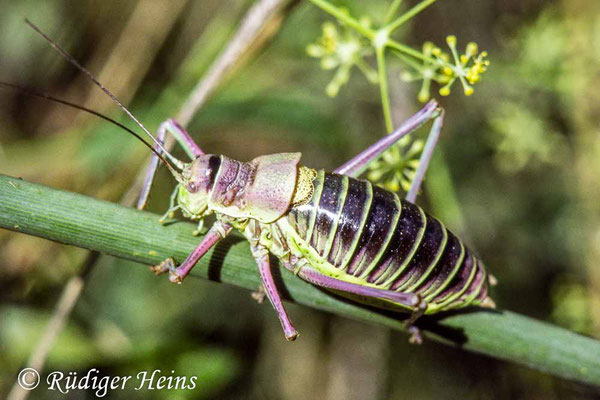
(409, 14)
(392, 11)
(344, 17)
(383, 88)
(367, 32)
(407, 50)
(414, 64)
(136, 235)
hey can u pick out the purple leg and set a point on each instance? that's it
(432, 139)
(360, 162)
(410, 300)
(184, 139)
(311, 275)
(176, 275)
(262, 259)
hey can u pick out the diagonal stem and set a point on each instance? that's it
(392, 11)
(124, 232)
(344, 17)
(409, 14)
(250, 28)
(368, 33)
(383, 89)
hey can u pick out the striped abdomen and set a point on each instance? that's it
(371, 234)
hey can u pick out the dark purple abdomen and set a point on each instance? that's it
(370, 233)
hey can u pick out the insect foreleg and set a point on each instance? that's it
(261, 255)
(183, 138)
(217, 232)
(172, 206)
(361, 161)
(432, 140)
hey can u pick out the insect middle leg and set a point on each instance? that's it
(217, 232)
(183, 138)
(261, 255)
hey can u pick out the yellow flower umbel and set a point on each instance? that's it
(341, 51)
(427, 72)
(467, 67)
(444, 69)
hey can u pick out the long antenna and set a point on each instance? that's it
(73, 61)
(46, 96)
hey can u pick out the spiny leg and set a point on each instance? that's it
(217, 232)
(261, 255)
(361, 161)
(185, 140)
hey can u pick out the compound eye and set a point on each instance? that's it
(192, 187)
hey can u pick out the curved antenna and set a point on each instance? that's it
(80, 67)
(46, 96)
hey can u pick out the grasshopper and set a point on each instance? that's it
(329, 228)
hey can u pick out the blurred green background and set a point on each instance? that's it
(517, 174)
